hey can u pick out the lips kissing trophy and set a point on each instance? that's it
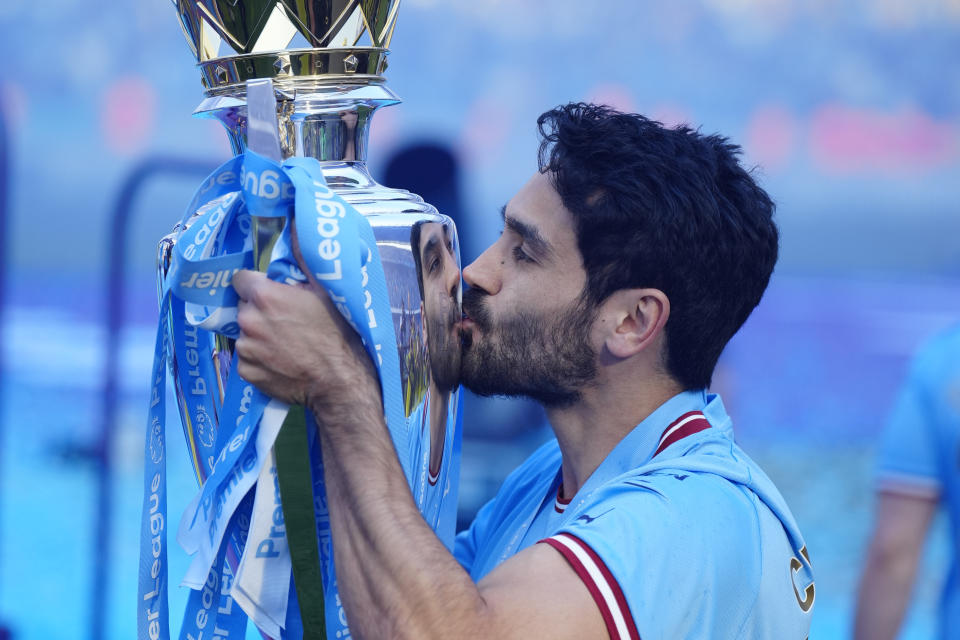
(296, 92)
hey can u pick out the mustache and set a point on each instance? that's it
(474, 306)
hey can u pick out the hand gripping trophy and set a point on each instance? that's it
(297, 118)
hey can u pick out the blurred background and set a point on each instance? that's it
(850, 111)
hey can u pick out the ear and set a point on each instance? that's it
(637, 318)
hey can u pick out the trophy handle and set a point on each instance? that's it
(263, 137)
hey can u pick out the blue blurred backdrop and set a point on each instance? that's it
(850, 109)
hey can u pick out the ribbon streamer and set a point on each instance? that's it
(232, 442)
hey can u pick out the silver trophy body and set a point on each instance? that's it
(325, 95)
(331, 124)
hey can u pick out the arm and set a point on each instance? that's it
(901, 526)
(397, 580)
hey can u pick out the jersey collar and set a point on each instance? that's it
(686, 425)
(640, 445)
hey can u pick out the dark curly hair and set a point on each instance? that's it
(666, 208)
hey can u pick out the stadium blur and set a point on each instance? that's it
(848, 109)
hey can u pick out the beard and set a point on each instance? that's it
(525, 354)
(443, 349)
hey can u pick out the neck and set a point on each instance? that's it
(589, 430)
(439, 406)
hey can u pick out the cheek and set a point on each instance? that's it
(598, 335)
(437, 305)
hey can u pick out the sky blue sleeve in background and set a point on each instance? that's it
(917, 450)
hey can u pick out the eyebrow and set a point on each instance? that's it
(530, 234)
(431, 248)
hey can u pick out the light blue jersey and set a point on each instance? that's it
(920, 450)
(436, 495)
(677, 534)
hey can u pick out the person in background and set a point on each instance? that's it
(918, 469)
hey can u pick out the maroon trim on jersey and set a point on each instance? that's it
(592, 570)
(560, 505)
(686, 425)
(424, 421)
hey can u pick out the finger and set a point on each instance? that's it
(248, 357)
(248, 318)
(249, 371)
(245, 282)
(241, 345)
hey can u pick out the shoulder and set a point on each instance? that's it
(673, 524)
(916, 451)
(652, 512)
(664, 560)
(687, 547)
(699, 494)
(938, 357)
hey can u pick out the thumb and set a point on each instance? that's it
(245, 282)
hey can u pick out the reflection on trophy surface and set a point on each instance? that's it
(438, 275)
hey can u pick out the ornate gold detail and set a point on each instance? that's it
(226, 28)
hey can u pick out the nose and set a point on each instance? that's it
(484, 272)
(451, 274)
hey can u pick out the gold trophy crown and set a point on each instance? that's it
(239, 40)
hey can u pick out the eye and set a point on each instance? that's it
(434, 264)
(520, 255)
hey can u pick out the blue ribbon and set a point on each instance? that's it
(152, 608)
(339, 249)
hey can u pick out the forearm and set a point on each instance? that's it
(885, 591)
(902, 522)
(881, 605)
(396, 578)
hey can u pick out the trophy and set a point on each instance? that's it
(290, 80)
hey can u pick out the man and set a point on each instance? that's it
(918, 467)
(434, 447)
(625, 265)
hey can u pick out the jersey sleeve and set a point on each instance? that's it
(666, 564)
(907, 460)
(603, 586)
